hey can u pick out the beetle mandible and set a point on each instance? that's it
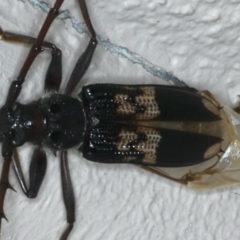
(147, 90)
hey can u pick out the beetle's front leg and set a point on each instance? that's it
(36, 48)
(54, 73)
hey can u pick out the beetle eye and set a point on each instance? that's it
(55, 108)
(54, 136)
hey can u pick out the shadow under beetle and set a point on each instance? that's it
(176, 132)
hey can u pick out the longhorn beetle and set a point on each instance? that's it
(152, 126)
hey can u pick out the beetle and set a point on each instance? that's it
(143, 87)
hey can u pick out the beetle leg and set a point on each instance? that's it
(53, 77)
(36, 48)
(86, 57)
(54, 73)
(68, 194)
(159, 172)
(37, 172)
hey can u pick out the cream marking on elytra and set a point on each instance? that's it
(129, 143)
(146, 100)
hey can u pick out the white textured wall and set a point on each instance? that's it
(197, 40)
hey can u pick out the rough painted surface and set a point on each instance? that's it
(199, 42)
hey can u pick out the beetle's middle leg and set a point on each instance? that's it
(86, 57)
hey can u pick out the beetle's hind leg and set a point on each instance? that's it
(68, 194)
(54, 73)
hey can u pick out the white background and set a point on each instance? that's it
(197, 40)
